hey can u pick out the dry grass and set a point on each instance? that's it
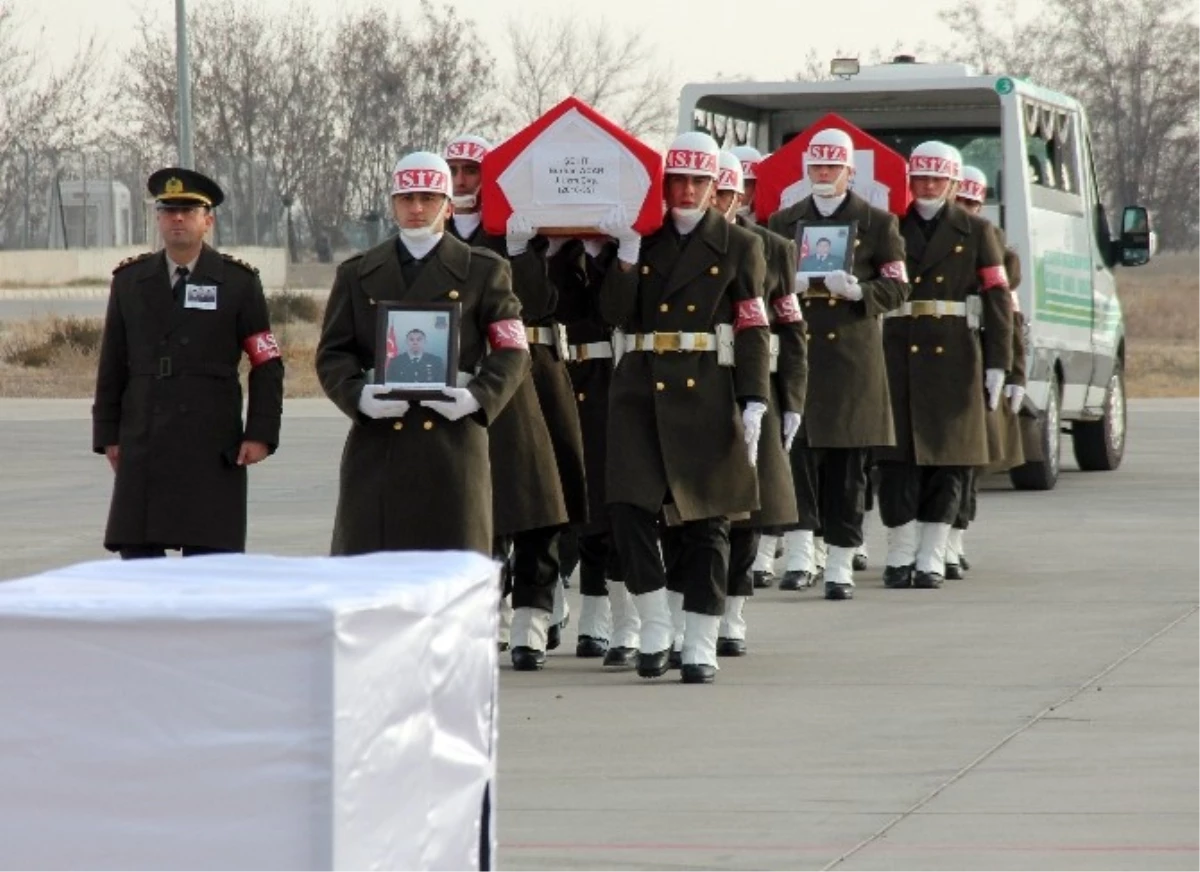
(1161, 302)
(69, 370)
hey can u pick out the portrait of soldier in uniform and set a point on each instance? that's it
(414, 364)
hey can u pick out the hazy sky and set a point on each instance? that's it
(766, 39)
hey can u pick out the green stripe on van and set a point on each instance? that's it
(1063, 290)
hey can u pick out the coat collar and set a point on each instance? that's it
(156, 285)
(709, 243)
(382, 279)
(951, 227)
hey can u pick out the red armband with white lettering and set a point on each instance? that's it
(508, 335)
(749, 313)
(787, 309)
(260, 348)
(894, 270)
(993, 277)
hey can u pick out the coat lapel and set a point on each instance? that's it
(210, 270)
(702, 253)
(950, 230)
(155, 289)
(379, 272)
(449, 266)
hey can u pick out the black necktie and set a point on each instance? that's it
(181, 274)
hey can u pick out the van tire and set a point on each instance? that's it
(1043, 474)
(1100, 445)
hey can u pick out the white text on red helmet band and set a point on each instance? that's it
(828, 153)
(748, 169)
(972, 191)
(701, 161)
(727, 180)
(465, 151)
(420, 180)
(920, 163)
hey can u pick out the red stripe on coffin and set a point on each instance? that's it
(785, 168)
(496, 207)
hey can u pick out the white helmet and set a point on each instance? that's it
(467, 147)
(830, 147)
(974, 184)
(729, 173)
(750, 158)
(935, 159)
(421, 171)
(693, 154)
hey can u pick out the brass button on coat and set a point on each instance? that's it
(832, 336)
(453, 295)
(582, 397)
(664, 308)
(691, 307)
(645, 270)
(917, 280)
(714, 270)
(399, 425)
(428, 425)
(914, 349)
(660, 386)
(957, 249)
(939, 350)
(833, 301)
(691, 383)
(939, 280)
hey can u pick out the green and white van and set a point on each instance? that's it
(1035, 148)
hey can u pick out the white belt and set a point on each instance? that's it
(541, 336)
(589, 351)
(928, 309)
(666, 343)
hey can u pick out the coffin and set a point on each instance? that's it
(567, 170)
(248, 712)
(880, 173)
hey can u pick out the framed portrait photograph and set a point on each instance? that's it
(824, 248)
(416, 348)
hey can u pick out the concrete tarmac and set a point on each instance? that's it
(1041, 714)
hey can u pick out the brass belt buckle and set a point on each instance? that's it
(664, 342)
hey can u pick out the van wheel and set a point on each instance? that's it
(1043, 474)
(1101, 444)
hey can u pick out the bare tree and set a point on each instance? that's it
(43, 114)
(617, 73)
(1135, 66)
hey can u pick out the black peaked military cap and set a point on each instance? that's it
(175, 186)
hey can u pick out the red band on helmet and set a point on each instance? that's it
(749, 169)
(970, 190)
(787, 309)
(749, 313)
(686, 159)
(828, 153)
(471, 151)
(261, 347)
(419, 180)
(508, 335)
(894, 270)
(993, 277)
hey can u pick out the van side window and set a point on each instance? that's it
(1051, 148)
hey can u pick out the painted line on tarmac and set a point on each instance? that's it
(1010, 848)
(1040, 716)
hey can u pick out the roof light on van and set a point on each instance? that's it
(844, 68)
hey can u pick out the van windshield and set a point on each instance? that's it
(980, 148)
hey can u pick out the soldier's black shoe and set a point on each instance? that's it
(763, 579)
(898, 576)
(653, 665)
(697, 673)
(675, 659)
(727, 647)
(590, 646)
(796, 579)
(927, 580)
(962, 561)
(860, 562)
(620, 657)
(835, 591)
(954, 572)
(527, 659)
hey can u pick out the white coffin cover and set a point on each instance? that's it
(572, 174)
(248, 712)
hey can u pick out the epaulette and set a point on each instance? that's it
(239, 262)
(137, 258)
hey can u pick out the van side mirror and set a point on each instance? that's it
(1136, 244)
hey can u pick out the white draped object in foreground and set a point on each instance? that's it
(248, 712)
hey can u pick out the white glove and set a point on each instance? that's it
(993, 380)
(791, 426)
(1015, 394)
(752, 425)
(518, 233)
(463, 403)
(373, 407)
(593, 246)
(801, 283)
(843, 284)
(617, 225)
